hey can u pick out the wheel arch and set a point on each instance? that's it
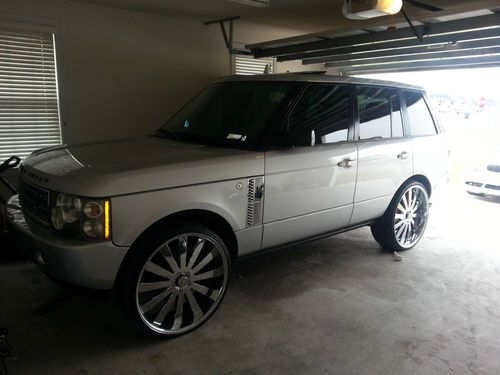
(210, 219)
(423, 180)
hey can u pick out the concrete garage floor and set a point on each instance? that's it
(338, 305)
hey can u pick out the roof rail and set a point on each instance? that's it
(310, 72)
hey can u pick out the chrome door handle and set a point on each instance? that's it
(346, 163)
(403, 155)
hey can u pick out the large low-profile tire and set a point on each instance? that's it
(172, 282)
(405, 220)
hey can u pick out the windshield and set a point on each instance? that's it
(229, 113)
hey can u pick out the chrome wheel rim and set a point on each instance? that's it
(182, 283)
(411, 215)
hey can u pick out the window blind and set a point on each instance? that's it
(29, 110)
(246, 65)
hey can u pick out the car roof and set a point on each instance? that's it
(319, 77)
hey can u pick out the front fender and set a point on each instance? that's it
(132, 214)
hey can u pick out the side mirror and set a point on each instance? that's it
(301, 137)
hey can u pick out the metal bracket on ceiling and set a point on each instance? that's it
(228, 35)
(414, 29)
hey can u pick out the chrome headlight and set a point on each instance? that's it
(67, 210)
(85, 217)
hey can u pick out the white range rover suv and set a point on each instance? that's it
(250, 163)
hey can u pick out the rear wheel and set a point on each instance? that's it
(174, 282)
(404, 222)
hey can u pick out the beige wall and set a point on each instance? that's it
(122, 73)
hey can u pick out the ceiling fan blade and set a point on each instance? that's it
(424, 6)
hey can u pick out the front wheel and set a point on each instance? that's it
(174, 282)
(404, 222)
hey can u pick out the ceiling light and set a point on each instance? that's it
(363, 9)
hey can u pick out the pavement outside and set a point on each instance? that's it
(338, 305)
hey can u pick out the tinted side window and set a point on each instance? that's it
(397, 115)
(421, 122)
(326, 109)
(374, 108)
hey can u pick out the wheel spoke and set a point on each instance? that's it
(410, 198)
(153, 302)
(182, 252)
(400, 207)
(211, 255)
(195, 307)
(398, 233)
(178, 312)
(149, 287)
(209, 274)
(403, 234)
(196, 253)
(159, 271)
(167, 254)
(415, 200)
(396, 226)
(210, 293)
(405, 201)
(160, 317)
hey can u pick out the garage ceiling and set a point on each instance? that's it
(284, 14)
(461, 35)
(454, 34)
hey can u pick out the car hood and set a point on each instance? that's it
(120, 167)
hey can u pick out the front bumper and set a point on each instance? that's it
(87, 264)
(487, 183)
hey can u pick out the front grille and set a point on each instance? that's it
(493, 187)
(476, 184)
(493, 168)
(35, 201)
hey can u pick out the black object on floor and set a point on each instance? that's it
(5, 350)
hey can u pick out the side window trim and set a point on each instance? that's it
(406, 118)
(398, 95)
(435, 119)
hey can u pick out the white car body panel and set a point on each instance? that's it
(307, 192)
(380, 174)
(106, 169)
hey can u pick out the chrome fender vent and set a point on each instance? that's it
(255, 201)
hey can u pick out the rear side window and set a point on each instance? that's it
(421, 122)
(374, 108)
(326, 109)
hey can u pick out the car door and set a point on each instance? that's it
(309, 190)
(385, 156)
(430, 146)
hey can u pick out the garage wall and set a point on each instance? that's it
(121, 72)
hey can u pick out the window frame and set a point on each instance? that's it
(407, 121)
(283, 130)
(17, 23)
(402, 110)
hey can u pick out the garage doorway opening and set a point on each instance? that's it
(467, 102)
